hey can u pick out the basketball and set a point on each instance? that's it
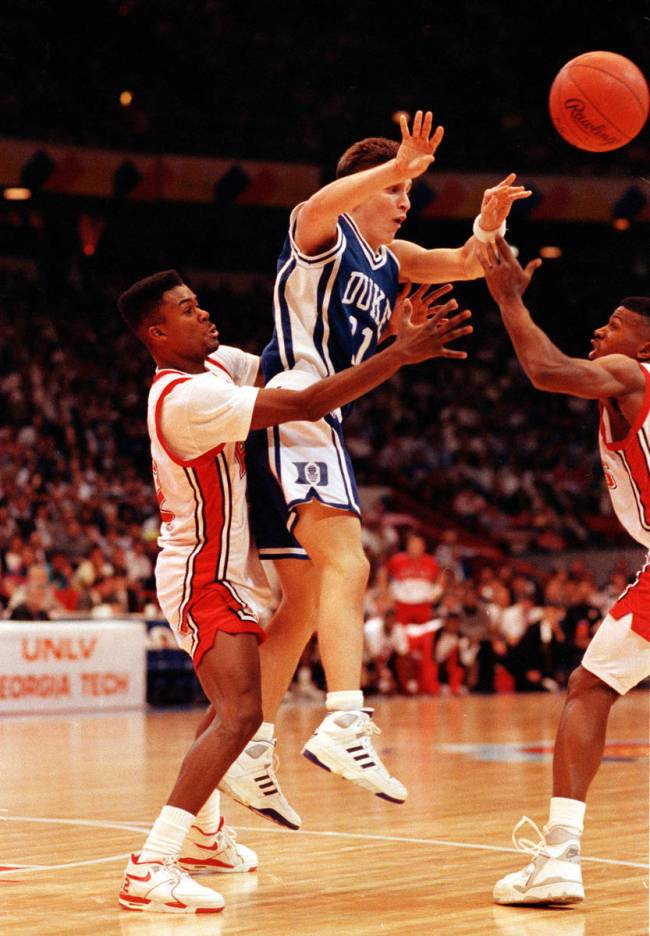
(599, 101)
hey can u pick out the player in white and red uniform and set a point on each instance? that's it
(414, 580)
(617, 374)
(206, 569)
(198, 417)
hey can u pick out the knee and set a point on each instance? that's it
(243, 719)
(582, 682)
(352, 566)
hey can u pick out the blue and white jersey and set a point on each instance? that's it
(330, 309)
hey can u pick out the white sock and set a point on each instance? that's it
(167, 834)
(265, 732)
(350, 700)
(567, 812)
(208, 818)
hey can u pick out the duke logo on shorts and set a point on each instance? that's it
(311, 473)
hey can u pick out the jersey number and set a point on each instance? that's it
(366, 338)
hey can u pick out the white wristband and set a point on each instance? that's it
(487, 237)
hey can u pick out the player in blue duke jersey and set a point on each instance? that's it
(337, 281)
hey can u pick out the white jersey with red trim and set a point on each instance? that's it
(626, 464)
(197, 424)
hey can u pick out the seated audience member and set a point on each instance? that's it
(34, 606)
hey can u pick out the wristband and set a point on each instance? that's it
(487, 237)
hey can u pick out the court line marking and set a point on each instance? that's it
(143, 827)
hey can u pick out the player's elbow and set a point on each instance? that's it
(539, 378)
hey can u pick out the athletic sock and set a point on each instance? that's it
(167, 834)
(349, 700)
(569, 813)
(208, 817)
(265, 732)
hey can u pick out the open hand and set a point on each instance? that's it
(417, 149)
(424, 303)
(505, 277)
(429, 339)
(498, 200)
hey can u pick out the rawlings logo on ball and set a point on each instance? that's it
(577, 109)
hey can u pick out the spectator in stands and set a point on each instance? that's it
(34, 606)
(388, 662)
(416, 582)
(449, 654)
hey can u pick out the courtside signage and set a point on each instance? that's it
(65, 665)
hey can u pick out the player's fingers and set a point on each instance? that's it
(455, 323)
(458, 333)
(436, 140)
(443, 309)
(417, 123)
(428, 123)
(419, 293)
(437, 293)
(532, 266)
(488, 257)
(437, 319)
(403, 125)
(503, 251)
(509, 179)
(404, 291)
(449, 353)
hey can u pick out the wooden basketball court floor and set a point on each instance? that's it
(79, 792)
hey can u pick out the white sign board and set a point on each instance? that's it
(72, 665)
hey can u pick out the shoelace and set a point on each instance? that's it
(172, 866)
(364, 732)
(527, 845)
(227, 837)
(369, 728)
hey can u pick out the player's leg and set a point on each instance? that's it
(211, 846)
(288, 632)
(252, 780)
(230, 676)
(341, 743)
(617, 658)
(332, 538)
(581, 733)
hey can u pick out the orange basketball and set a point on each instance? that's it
(599, 101)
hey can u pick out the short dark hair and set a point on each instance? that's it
(638, 304)
(139, 302)
(373, 151)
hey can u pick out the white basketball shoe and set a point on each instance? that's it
(554, 876)
(206, 852)
(342, 744)
(251, 780)
(161, 886)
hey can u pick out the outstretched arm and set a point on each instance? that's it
(317, 219)
(461, 263)
(414, 343)
(548, 368)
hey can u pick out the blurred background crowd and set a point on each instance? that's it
(470, 479)
(489, 529)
